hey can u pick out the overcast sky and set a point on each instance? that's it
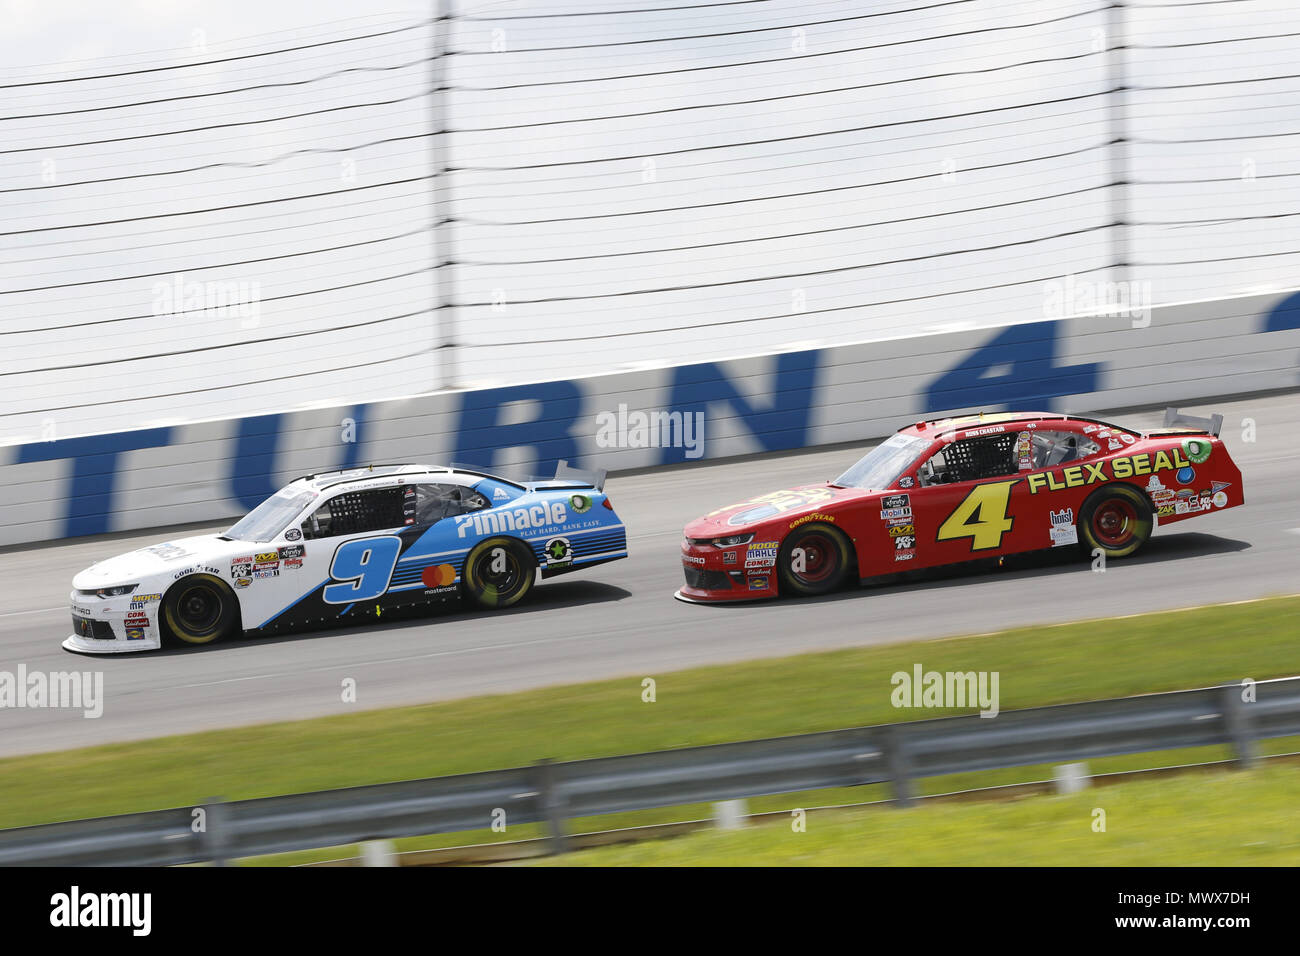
(591, 241)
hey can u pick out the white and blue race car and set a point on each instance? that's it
(343, 546)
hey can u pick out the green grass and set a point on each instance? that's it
(1228, 818)
(706, 705)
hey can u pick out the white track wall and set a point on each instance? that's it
(216, 470)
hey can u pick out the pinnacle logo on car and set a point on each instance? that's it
(519, 519)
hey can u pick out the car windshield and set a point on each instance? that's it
(270, 517)
(880, 467)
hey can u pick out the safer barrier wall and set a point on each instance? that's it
(215, 470)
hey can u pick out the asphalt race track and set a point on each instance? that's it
(621, 619)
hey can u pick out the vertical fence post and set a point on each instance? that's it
(552, 802)
(216, 840)
(899, 764)
(1237, 722)
(442, 212)
(1117, 152)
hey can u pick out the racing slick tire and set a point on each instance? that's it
(815, 559)
(499, 572)
(199, 609)
(1116, 519)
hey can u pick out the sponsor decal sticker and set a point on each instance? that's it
(1197, 450)
(293, 534)
(267, 557)
(815, 516)
(243, 582)
(293, 563)
(292, 551)
(896, 506)
(907, 481)
(581, 504)
(438, 576)
(902, 529)
(1063, 531)
(758, 582)
(168, 551)
(761, 554)
(559, 553)
(548, 514)
(1129, 466)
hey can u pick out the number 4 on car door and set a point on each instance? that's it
(981, 516)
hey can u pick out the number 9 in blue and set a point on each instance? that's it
(367, 564)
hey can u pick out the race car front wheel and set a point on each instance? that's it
(1115, 520)
(199, 609)
(815, 559)
(499, 572)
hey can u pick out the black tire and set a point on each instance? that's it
(814, 559)
(199, 609)
(1116, 519)
(499, 572)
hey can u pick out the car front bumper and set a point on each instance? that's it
(713, 579)
(83, 645)
(112, 625)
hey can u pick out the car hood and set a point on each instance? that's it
(169, 556)
(790, 503)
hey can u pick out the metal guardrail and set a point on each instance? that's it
(551, 792)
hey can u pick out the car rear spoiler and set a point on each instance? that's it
(579, 477)
(565, 477)
(1211, 425)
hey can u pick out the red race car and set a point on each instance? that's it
(958, 489)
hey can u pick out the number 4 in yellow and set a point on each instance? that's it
(981, 516)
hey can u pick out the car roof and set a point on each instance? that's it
(379, 476)
(946, 427)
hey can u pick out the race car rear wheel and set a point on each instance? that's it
(815, 559)
(199, 609)
(1117, 520)
(499, 572)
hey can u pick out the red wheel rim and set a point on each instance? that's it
(821, 558)
(1113, 522)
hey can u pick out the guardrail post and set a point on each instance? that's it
(1237, 723)
(899, 764)
(215, 838)
(378, 853)
(552, 801)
